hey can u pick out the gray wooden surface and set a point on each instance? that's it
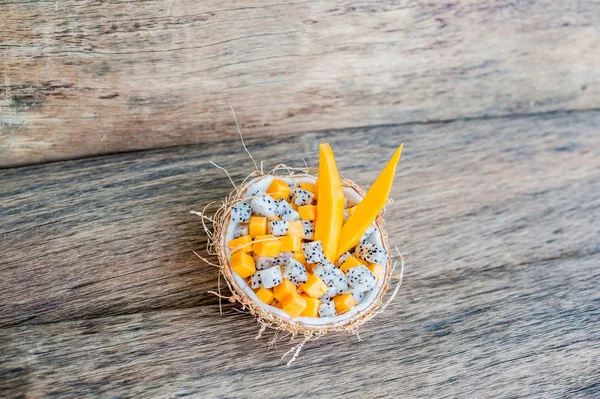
(84, 78)
(101, 295)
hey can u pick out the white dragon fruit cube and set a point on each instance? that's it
(271, 277)
(372, 253)
(340, 261)
(255, 280)
(264, 262)
(325, 270)
(295, 272)
(309, 229)
(277, 227)
(339, 283)
(313, 251)
(253, 193)
(368, 233)
(361, 279)
(241, 213)
(302, 197)
(263, 206)
(285, 211)
(327, 309)
(283, 258)
(240, 231)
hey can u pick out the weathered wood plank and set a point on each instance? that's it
(97, 77)
(113, 235)
(507, 331)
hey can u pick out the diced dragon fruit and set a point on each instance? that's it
(327, 309)
(271, 277)
(302, 197)
(358, 296)
(285, 211)
(361, 279)
(309, 229)
(368, 233)
(253, 193)
(313, 251)
(326, 271)
(339, 283)
(264, 262)
(241, 213)
(283, 258)
(240, 231)
(278, 227)
(295, 272)
(255, 280)
(263, 206)
(371, 253)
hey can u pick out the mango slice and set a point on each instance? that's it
(368, 209)
(330, 208)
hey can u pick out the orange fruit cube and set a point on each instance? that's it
(278, 305)
(377, 270)
(312, 307)
(295, 229)
(291, 244)
(344, 302)
(279, 189)
(308, 212)
(307, 186)
(351, 262)
(242, 264)
(269, 247)
(314, 286)
(294, 305)
(257, 226)
(283, 290)
(243, 244)
(351, 210)
(299, 255)
(265, 295)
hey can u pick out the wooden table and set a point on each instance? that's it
(111, 113)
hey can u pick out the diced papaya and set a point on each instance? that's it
(344, 302)
(377, 270)
(274, 217)
(308, 212)
(242, 264)
(243, 244)
(279, 189)
(283, 290)
(265, 295)
(295, 229)
(316, 188)
(266, 245)
(294, 305)
(291, 244)
(257, 226)
(351, 262)
(299, 255)
(312, 307)
(368, 209)
(330, 207)
(294, 206)
(351, 210)
(278, 305)
(314, 286)
(364, 262)
(307, 186)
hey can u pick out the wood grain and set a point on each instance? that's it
(103, 77)
(100, 294)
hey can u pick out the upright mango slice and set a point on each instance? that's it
(366, 212)
(330, 208)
